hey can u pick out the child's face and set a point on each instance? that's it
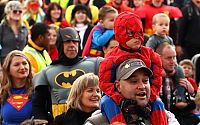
(80, 16)
(187, 69)
(134, 43)
(162, 26)
(138, 3)
(108, 21)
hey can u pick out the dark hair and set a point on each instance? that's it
(84, 9)
(80, 7)
(131, 4)
(51, 7)
(78, 2)
(38, 29)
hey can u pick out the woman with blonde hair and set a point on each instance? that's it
(52, 49)
(83, 100)
(16, 89)
(13, 33)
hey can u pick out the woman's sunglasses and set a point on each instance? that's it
(17, 11)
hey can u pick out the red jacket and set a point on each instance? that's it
(116, 56)
(122, 8)
(193, 83)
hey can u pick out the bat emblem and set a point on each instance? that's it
(66, 79)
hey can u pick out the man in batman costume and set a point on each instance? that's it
(52, 85)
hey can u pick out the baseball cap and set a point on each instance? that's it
(128, 67)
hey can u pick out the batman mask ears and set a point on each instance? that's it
(69, 34)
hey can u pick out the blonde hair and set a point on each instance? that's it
(12, 5)
(159, 15)
(6, 84)
(54, 27)
(78, 87)
(105, 10)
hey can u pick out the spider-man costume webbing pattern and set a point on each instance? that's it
(125, 31)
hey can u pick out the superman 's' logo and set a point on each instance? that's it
(18, 101)
(66, 79)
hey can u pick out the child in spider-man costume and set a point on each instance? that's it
(129, 33)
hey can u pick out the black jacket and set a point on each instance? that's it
(72, 117)
(189, 26)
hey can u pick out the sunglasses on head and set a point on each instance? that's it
(17, 11)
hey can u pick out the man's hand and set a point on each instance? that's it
(184, 82)
(34, 122)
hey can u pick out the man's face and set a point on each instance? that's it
(45, 39)
(71, 49)
(136, 87)
(168, 58)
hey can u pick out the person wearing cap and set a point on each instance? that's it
(130, 38)
(36, 49)
(13, 32)
(54, 83)
(132, 82)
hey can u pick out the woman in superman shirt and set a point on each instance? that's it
(16, 89)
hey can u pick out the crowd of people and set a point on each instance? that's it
(93, 62)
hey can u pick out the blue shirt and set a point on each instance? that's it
(17, 107)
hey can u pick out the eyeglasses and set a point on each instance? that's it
(17, 11)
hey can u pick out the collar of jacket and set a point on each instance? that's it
(35, 46)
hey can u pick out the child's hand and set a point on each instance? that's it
(184, 82)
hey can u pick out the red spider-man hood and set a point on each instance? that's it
(127, 25)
